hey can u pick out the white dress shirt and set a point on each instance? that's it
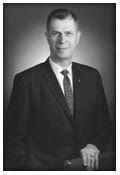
(57, 69)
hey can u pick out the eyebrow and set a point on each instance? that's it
(61, 31)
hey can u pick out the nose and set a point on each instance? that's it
(61, 38)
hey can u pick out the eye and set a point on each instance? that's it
(69, 33)
(54, 33)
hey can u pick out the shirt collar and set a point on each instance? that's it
(57, 68)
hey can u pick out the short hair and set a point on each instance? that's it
(61, 14)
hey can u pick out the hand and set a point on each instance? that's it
(90, 156)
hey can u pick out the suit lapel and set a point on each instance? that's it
(51, 80)
(78, 89)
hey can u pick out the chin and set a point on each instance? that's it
(66, 57)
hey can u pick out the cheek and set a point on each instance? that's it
(72, 40)
(52, 43)
(73, 44)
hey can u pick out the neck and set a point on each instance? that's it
(64, 63)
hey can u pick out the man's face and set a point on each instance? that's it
(63, 37)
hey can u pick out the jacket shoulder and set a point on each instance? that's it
(85, 68)
(31, 72)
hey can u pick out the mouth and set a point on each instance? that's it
(61, 48)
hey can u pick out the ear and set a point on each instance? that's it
(47, 37)
(78, 36)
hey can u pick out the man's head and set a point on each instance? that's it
(62, 33)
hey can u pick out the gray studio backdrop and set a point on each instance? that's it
(25, 44)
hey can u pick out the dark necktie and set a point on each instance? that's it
(68, 90)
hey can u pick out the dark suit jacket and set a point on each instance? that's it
(41, 132)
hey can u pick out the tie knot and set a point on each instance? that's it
(65, 72)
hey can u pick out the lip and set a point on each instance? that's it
(62, 48)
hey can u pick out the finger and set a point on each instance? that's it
(92, 162)
(96, 161)
(84, 158)
(88, 161)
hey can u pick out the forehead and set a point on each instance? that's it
(63, 24)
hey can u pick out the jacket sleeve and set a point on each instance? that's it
(16, 125)
(103, 127)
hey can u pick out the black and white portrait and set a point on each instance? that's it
(59, 87)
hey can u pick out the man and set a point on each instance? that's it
(58, 109)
